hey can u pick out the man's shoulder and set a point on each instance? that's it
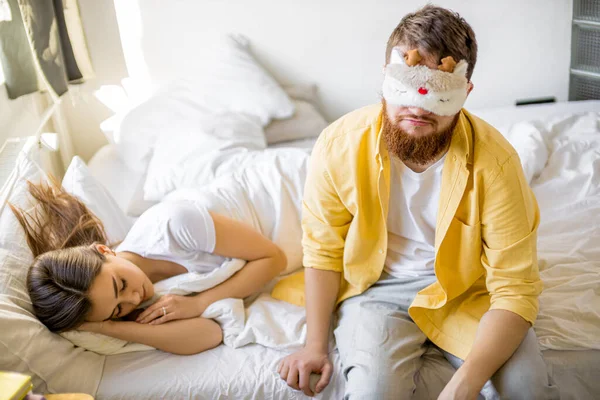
(491, 148)
(353, 126)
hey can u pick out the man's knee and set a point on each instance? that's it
(525, 376)
(365, 384)
(525, 384)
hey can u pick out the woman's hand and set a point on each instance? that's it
(172, 307)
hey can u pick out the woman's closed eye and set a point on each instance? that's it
(119, 309)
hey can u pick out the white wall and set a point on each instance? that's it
(524, 47)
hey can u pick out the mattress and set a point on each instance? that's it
(250, 372)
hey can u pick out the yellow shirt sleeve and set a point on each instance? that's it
(510, 217)
(325, 219)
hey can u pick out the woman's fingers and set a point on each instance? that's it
(161, 310)
(162, 320)
(152, 316)
(167, 301)
(143, 317)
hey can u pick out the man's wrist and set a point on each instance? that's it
(469, 376)
(317, 346)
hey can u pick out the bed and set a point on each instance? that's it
(560, 149)
(250, 372)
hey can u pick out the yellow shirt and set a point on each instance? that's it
(485, 237)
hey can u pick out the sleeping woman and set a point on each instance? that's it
(78, 281)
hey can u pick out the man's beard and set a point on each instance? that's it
(420, 150)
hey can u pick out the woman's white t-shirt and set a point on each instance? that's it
(180, 231)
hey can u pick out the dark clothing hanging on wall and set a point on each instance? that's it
(42, 47)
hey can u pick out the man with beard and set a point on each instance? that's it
(419, 223)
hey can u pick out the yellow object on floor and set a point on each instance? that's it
(14, 386)
(69, 396)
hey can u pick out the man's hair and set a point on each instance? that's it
(437, 31)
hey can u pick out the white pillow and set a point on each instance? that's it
(181, 153)
(229, 81)
(79, 182)
(173, 108)
(26, 345)
(304, 92)
(528, 140)
(306, 122)
(113, 175)
(137, 205)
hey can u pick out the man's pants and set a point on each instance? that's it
(382, 351)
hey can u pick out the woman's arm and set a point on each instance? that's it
(186, 336)
(236, 240)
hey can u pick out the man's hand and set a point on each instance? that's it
(296, 369)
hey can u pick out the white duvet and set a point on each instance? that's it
(568, 194)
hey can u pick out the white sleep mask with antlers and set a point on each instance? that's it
(442, 91)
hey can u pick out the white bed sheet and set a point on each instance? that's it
(220, 373)
(250, 372)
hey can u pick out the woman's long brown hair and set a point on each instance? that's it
(61, 232)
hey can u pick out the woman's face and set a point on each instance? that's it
(119, 288)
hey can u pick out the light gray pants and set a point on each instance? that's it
(386, 356)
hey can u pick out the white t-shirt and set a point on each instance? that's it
(411, 220)
(180, 231)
